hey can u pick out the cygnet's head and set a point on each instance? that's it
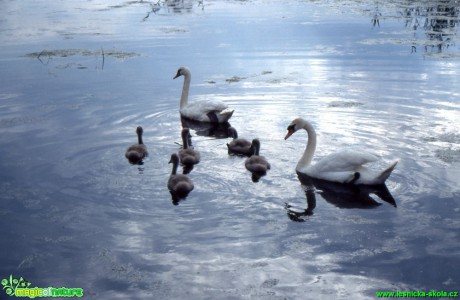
(174, 159)
(232, 132)
(255, 146)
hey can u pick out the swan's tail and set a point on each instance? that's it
(386, 173)
(225, 115)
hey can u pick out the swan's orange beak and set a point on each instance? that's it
(289, 133)
(177, 74)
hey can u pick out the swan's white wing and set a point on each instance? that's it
(347, 160)
(339, 166)
(199, 110)
(343, 166)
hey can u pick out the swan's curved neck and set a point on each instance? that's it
(307, 156)
(185, 89)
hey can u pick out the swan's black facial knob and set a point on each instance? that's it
(179, 73)
(291, 129)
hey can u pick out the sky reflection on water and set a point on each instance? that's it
(80, 77)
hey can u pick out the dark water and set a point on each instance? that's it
(79, 77)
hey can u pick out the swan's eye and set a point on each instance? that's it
(291, 127)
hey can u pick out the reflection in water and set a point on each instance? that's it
(113, 223)
(179, 6)
(172, 6)
(438, 21)
(340, 195)
(255, 176)
(219, 131)
(297, 216)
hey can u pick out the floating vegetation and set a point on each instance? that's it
(81, 52)
(344, 104)
(449, 137)
(449, 152)
(20, 120)
(46, 56)
(235, 79)
(437, 24)
(448, 155)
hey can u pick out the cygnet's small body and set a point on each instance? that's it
(178, 184)
(239, 146)
(256, 163)
(188, 156)
(137, 152)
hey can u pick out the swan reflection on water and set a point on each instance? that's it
(217, 130)
(340, 195)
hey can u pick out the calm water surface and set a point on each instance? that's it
(79, 77)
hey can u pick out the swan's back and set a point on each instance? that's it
(213, 111)
(349, 166)
(346, 160)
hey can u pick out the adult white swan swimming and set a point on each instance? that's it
(213, 111)
(347, 166)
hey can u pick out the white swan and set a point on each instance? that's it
(346, 166)
(202, 111)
